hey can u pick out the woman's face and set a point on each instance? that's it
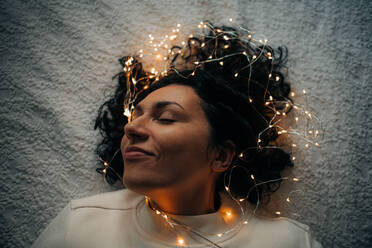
(171, 128)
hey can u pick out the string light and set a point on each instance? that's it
(165, 53)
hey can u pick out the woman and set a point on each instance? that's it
(195, 147)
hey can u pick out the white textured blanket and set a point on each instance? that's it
(57, 60)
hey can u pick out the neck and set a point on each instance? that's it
(183, 201)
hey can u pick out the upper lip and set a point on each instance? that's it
(136, 149)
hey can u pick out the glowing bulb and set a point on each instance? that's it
(259, 140)
(190, 36)
(293, 158)
(219, 235)
(277, 112)
(317, 144)
(277, 212)
(236, 74)
(104, 170)
(145, 87)
(127, 113)
(254, 56)
(292, 94)
(178, 25)
(240, 155)
(230, 19)
(288, 199)
(296, 118)
(227, 188)
(210, 56)
(250, 100)
(271, 98)
(296, 179)
(277, 78)
(157, 212)
(158, 56)
(307, 145)
(252, 176)
(193, 73)
(172, 37)
(294, 145)
(219, 30)
(183, 43)
(181, 241)
(153, 70)
(245, 53)
(203, 44)
(304, 91)
(228, 213)
(196, 62)
(105, 163)
(226, 46)
(221, 63)
(241, 199)
(193, 42)
(225, 37)
(245, 222)
(249, 36)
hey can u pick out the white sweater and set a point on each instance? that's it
(122, 219)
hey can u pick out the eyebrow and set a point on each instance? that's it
(160, 105)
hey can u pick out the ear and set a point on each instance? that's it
(223, 157)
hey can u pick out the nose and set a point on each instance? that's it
(135, 131)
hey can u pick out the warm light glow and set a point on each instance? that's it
(245, 222)
(127, 113)
(288, 199)
(181, 241)
(230, 20)
(252, 176)
(221, 62)
(219, 235)
(296, 179)
(277, 212)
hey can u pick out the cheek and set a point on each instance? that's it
(187, 145)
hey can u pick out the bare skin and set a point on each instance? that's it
(175, 169)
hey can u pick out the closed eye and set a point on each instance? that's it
(166, 120)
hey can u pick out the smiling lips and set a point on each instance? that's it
(133, 153)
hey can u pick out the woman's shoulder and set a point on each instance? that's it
(119, 199)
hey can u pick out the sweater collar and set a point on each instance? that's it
(192, 230)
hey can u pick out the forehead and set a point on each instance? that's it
(181, 94)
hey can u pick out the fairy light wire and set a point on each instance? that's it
(169, 56)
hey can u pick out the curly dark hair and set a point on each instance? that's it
(234, 99)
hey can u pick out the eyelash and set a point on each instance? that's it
(166, 120)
